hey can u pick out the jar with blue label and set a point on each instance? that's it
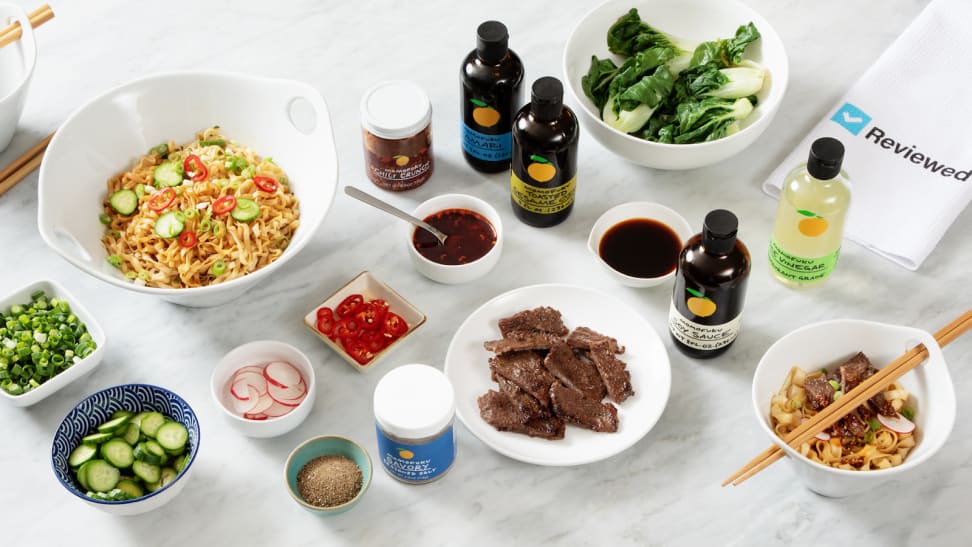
(415, 408)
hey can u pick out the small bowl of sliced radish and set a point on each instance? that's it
(266, 388)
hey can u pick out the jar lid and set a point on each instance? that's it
(414, 402)
(395, 109)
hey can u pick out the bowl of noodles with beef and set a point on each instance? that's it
(191, 186)
(887, 436)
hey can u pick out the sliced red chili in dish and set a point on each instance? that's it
(267, 184)
(349, 306)
(194, 167)
(325, 311)
(346, 328)
(359, 351)
(374, 340)
(393, 326)
(371, 315)
(224, 205)
(162, 199)
(325, 325)
(188, 239)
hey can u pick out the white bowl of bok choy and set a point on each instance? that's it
(675, 85)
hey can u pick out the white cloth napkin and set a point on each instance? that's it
(905, 127)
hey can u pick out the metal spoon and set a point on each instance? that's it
(375, 202)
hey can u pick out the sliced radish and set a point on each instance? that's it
(239, 390)
(254, 379)
(262, 404)
(287, 394)
(282, 374)
(897, 423)
(292, 402)
(251, 368)
(277, 409)
(243, 406)
(260, 416)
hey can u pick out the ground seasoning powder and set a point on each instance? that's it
(327, 481)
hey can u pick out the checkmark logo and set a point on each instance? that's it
(851, 118)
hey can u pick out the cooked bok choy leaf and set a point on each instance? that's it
(629, 35)
(728, 83)
(710, 119)
(630, 110)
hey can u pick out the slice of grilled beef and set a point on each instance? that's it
(522, 342)
(573, 407)
(854, 371)
(613, 371)
(819, 392)
(574, 372)
(584, 338)
(523, 400)
(501, 411)
(526, 370)
(543, 319)
(882, 405)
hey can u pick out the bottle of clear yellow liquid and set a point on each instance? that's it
(809, 224)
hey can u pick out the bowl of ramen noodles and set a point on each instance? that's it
(889, 435)
(191, 186)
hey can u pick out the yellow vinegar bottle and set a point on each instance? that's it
(810, 218)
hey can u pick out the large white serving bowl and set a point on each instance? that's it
(695, 21)
(829, 343)
(17, 62)
(285, 119)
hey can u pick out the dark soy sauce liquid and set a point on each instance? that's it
(641, 247)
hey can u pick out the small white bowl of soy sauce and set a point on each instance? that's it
(638, 242)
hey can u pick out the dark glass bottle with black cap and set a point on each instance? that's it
(490, 79)
(543, 177)
(710, 288)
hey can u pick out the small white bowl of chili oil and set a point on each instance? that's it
(474, 244)
(639, 242)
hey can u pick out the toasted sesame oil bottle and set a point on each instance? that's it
(490, 75)
(810, 218)
(544, 171)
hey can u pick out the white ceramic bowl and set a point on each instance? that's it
(634, 210)
(692, 20)
(461, 273)
(16, 69)
(260, 353)
(828, 343)
(287, 120)
(82, 367)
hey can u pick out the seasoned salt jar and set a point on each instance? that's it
(414, 414)
(396, 123)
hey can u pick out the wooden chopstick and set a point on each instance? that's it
(22, 166)
(37, 18)
(851, 400)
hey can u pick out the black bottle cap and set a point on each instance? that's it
(547, 99)
(719, 231)
(493, 41)
(826, 156)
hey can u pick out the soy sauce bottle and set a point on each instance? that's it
(710, 288)
(544, 170)
(490, 76)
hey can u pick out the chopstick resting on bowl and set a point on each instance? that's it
(851, 400)
(37, 18)
(22, 166)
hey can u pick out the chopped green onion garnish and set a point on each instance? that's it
(874, 423)
(834, 384)
(908, 413)
(140, 190)
(143, 275)
(838, 395)
(131, 275)
(235, 164)
(115, 261)
(869, 437)
(248, 172)
(161, 150)
(219, 268)
(191, 212)
(219, 228)
(104, 219)
(214, 142)
(205, 225)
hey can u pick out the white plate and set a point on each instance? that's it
(467, 367)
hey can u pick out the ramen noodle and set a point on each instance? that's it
(199, 214)
(878, 447)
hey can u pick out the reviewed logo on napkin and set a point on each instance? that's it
(903, 126)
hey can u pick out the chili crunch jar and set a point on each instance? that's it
(396, 122)
(414, 413)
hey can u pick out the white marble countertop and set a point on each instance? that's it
(662, 491)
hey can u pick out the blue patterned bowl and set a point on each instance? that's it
(96, 409)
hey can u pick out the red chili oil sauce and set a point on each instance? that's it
(471, 236)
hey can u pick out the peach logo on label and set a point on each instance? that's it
(812, 226)
(483, 114)
(541, 170)
(405, 454)
(699, 304)
(401, 160)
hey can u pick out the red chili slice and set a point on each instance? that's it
(162, 199)
(374, 340)
(266, 184)
(371, 315)
(224, 205)
(188, 239)
(194, 167)
(325, 311)
(359, 351)
(346, 328)
(349, 306)
(393, 326)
